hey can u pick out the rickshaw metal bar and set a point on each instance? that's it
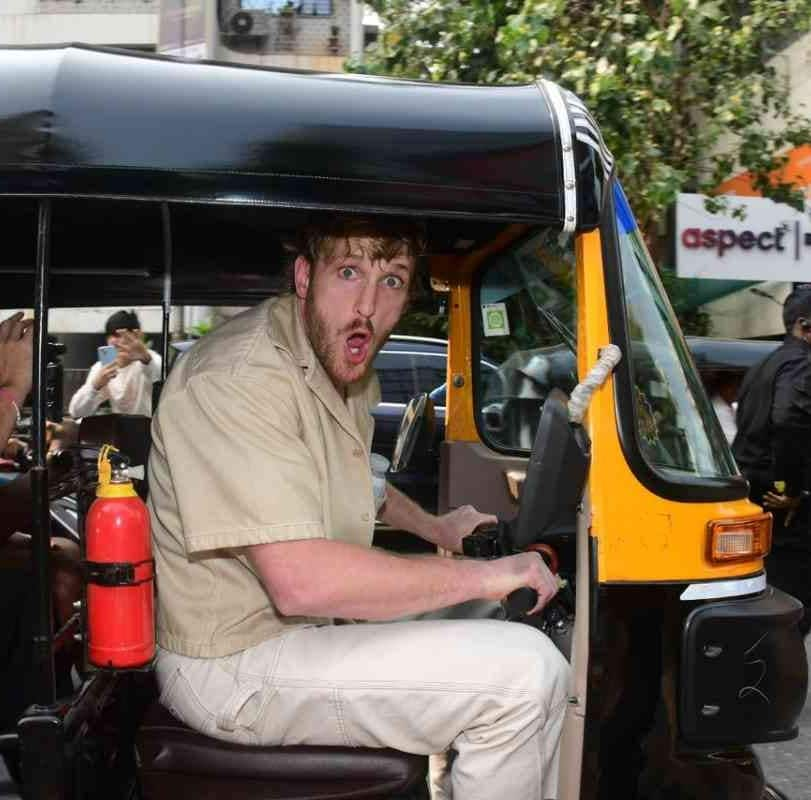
(574, 725)
(45, 693)
(561, 113)
(717, 590)
(167, 285)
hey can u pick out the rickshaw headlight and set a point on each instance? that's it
(739, 539)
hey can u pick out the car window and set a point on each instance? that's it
(429, 370)
(405, 373)
(396, 377)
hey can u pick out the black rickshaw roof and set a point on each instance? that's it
(154, 164)
(83, 121)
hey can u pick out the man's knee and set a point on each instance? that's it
(537, 665)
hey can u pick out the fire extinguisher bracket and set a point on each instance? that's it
(107, 573)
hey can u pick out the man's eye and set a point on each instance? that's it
(347, 273)
(393, 282)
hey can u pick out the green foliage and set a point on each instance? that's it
(692, 320)
(426, 317)
(201, 328)
(680, 87)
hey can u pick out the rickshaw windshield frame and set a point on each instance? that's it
(682, 486)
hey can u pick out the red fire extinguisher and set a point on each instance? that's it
(119, 570)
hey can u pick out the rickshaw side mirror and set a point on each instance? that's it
(416, 425)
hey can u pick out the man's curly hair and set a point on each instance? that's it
(324, 232)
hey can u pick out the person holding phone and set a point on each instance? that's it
(124, 373)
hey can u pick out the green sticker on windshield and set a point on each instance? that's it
(494, 317)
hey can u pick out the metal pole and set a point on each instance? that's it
(356, 30)
(167, 284)
(41, 538)
(211, 22)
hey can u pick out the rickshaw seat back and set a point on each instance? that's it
(175, 760)
(556, 473)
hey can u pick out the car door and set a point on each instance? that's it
(407, 366)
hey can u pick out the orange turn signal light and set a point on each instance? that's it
(739, 539)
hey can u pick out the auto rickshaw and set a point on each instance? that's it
(138, 179)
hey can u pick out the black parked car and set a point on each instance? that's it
(407, 366)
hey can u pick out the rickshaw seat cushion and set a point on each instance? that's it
(175, 760)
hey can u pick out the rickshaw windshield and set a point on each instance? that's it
(676, 429)
(526, 333)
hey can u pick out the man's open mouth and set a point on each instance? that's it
(357, 346)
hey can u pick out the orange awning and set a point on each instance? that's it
(797, 170)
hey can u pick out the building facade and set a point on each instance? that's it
(303, 34)
(124, 23)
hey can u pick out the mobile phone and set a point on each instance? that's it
(107, 354)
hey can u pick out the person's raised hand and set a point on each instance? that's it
(455, 525)
(106, 374)
(17, 355)
(131, 348)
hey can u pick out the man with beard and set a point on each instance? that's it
(263, 514)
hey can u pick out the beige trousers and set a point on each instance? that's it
(492, 691)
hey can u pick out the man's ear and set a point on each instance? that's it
(302, 272)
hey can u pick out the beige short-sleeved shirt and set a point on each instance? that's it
(251, 444)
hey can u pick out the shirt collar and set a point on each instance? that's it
(286, 330)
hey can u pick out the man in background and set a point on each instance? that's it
(773, 448)
(126, 382)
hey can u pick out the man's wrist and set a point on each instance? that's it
(437, 531)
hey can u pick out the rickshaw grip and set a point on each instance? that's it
(495, 542)
(518, 603)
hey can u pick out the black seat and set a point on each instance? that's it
(176, 761)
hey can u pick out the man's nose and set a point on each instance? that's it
(367, 299)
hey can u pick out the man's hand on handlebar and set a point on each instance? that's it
(518, 571)
(455, 525)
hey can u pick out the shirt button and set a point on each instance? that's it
(366, 517)
(357, 452)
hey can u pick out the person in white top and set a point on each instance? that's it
(723, 391)
(127, 381)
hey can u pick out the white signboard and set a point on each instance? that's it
(772, 242)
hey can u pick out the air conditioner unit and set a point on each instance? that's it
(253, 24)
